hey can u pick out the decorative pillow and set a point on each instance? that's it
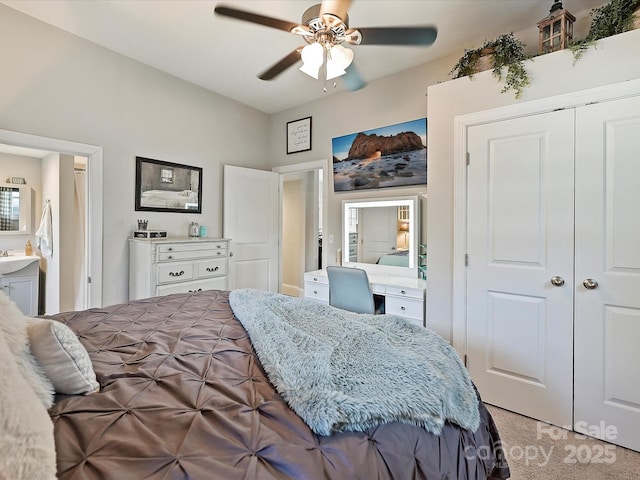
(62, 356)
(13, 327)
(26, 431)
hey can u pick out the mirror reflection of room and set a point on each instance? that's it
(379, 235)
(15, 209)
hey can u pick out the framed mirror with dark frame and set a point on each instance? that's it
(167, 187)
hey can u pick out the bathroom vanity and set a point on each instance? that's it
(19, 279)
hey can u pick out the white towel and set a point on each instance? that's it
(44, 235)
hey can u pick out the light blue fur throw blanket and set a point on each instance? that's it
(342, 371)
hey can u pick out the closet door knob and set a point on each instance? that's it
(557, 281)
(590, 284)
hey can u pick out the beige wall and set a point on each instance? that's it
(57, 85)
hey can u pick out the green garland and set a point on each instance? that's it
(508, 52)
(611, 19)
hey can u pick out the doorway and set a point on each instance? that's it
(92, 215)
(303, 193)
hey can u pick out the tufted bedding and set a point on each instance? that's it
(183, 396)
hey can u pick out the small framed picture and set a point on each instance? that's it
(299, 135)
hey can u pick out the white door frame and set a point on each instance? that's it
(94, 198)
(298, 168)
(461, 124)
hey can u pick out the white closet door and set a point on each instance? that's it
(607, 316)
(520, 236)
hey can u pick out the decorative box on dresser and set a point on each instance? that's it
(161, 266)
(403, 296)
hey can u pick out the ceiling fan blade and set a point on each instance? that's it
(255, 18)
(392, 36)
(339, 8)
(352, 79)
(282, 65)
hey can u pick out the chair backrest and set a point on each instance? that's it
(349, 289)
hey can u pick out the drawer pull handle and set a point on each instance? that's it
(403, 308)
(403, 292)
(194, 291)
(209, 269)
(170, 257)
(315, 279)
(176, 274)
(315, 292)
(170, 249)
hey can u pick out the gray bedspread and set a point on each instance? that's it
(184, 396)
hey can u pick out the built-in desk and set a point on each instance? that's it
(402, 295)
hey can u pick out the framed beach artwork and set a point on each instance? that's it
(392, 156)
(167, 187)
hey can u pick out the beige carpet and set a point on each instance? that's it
(538, 451)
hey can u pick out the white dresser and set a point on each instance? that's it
(402, 295)
(176, 265)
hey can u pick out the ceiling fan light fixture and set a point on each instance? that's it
(341, 56)
(312, 71)
(312, 58)
(338, 59)
(334, 71)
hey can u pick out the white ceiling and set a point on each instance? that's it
(185, 39)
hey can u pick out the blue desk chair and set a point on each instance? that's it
(349, 289)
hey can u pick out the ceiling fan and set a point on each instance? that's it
(325, 27)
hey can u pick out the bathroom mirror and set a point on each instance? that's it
(15, 210)
(381, 235)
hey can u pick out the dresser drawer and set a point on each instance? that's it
(317, 291)
(187, 251)
(190, 247)
(179, 265)
(406, 307)
(219, 283)
(174, 272)
(211, 268)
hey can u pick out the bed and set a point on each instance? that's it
(183, 395)
(395, 259)
(186, 199)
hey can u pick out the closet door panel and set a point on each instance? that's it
(520, 236)
(607, 289)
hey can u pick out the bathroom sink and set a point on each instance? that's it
(13, 263)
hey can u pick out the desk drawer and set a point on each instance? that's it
(316, 291)
(406, 307)
(405, 292)
(174, 272)
(311, 278)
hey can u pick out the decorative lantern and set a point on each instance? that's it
(556, 29)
